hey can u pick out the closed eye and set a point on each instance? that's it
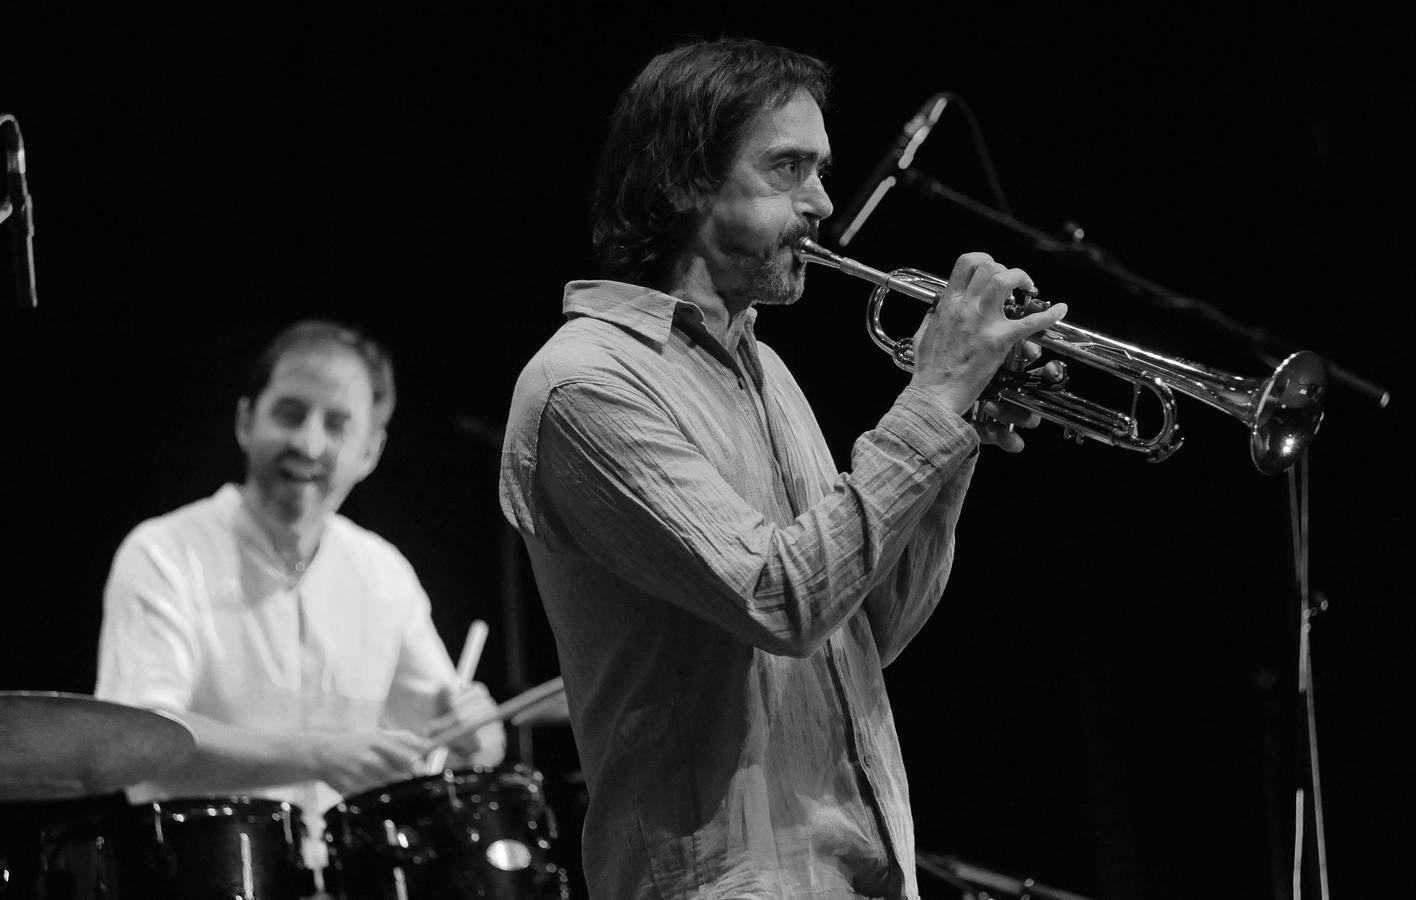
(289, 413)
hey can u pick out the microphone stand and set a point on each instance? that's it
(19, 204)
(1091, 258)
(1309, 605)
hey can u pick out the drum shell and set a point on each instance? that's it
(27, 843)
(187, 848)
(465, 833)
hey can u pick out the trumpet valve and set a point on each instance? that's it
(904, 354)
(1024, 302)
(1050, 377)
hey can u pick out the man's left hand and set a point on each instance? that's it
(997, 422)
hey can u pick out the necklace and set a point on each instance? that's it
(291, 565)
(297, 567)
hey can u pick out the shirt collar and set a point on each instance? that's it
(643, 311)
(253, 533)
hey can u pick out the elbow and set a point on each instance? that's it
(888, 652)
(794, 616)
(796, 644)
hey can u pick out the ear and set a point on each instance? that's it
(243, 423)
(372, 453)
(683, 200)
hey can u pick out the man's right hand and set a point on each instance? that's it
(355, 762)
(966, 337)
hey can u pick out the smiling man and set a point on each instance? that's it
(298, 646)
(723, 597)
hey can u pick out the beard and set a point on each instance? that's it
(772, 277)
(284, 497)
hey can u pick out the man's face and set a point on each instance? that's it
(309, 437)
(772, 196)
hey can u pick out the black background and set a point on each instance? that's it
(1106, 699)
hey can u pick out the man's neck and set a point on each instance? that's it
(722, 319)
(294, 542)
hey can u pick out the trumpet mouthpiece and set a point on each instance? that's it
(810, 251)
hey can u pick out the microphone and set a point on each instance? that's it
(898, 159)
(19, 204)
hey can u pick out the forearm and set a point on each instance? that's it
(896, 558)
(228, 757)
(902, 603)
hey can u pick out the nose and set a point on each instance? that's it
(814, 202)
(309, 438)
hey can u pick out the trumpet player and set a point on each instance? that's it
(723, 597)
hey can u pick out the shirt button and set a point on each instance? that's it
(868, 760)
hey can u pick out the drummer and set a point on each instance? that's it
(297, 645)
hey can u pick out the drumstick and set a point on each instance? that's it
(506, 710)
(471, 651)
(466, 665)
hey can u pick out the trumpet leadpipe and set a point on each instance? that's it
(814, 252)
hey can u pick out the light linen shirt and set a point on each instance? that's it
(723, 601)
(200, 615)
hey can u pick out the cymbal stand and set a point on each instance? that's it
(509, 555)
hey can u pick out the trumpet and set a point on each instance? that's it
(1282, 411)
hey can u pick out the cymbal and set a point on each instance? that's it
(56, 746)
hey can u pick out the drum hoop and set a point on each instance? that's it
(227, 806)
(431, 787)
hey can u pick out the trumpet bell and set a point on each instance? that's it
(1287, 412)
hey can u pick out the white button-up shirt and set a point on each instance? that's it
(200, 615)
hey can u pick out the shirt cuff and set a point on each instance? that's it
(930, 428)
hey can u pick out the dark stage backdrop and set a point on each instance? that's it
(1106, 698)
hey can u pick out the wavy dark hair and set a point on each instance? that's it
(313, 333)
(675, 131)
